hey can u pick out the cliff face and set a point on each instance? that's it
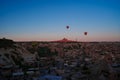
(13, 55)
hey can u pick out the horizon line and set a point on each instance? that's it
(61, 39)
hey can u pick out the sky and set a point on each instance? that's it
(46, 20)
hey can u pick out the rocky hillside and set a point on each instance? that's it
(11, 53)
(20, 53)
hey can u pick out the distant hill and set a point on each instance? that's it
(64, 40)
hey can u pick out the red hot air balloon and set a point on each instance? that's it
(67, 27)
(85, 33)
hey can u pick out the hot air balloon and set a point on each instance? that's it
(85, 33)
(67, 27)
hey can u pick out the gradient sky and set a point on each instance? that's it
(37, 20)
